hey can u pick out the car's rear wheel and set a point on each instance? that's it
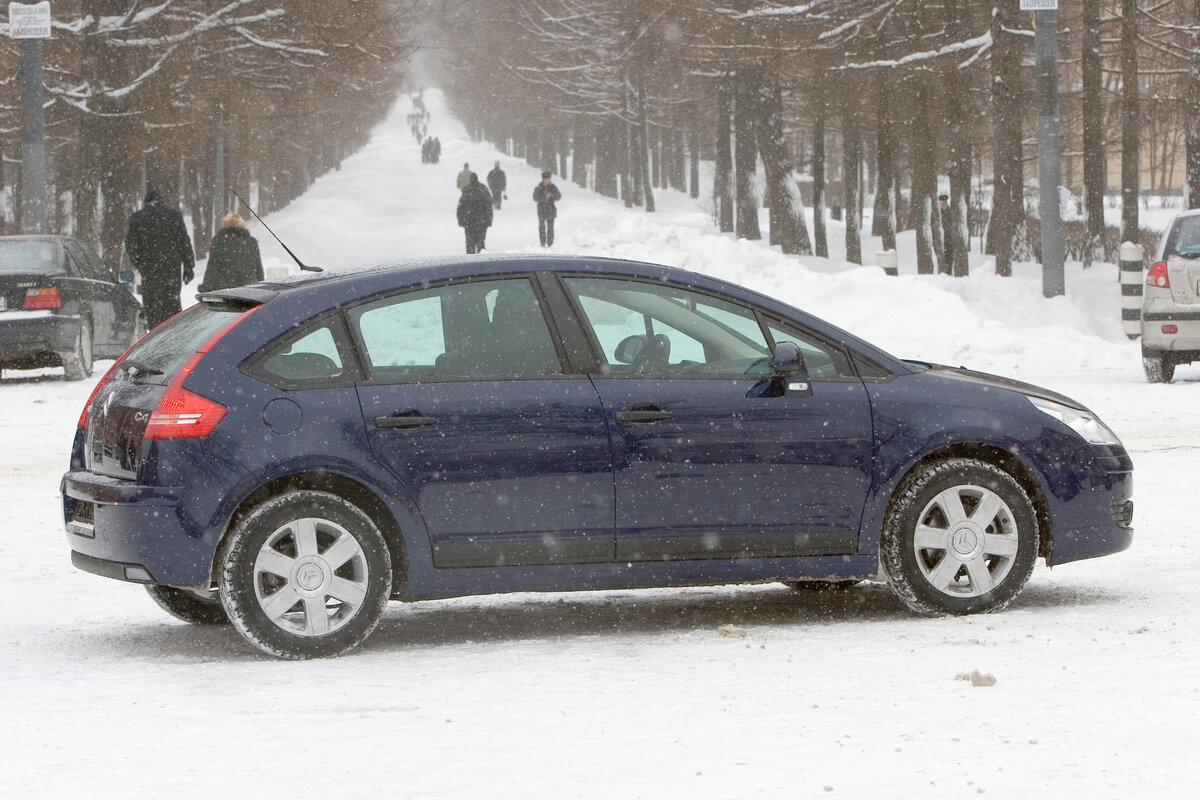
(305, 575)
(77, 364)
(960, 537)
(1158, 366)
(188, 607)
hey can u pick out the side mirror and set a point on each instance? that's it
(789, 360)
(125, 276)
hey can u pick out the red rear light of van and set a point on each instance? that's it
(1157, 276)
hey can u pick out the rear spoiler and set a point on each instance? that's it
(244, 296)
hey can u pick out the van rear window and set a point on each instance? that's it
(163, 351)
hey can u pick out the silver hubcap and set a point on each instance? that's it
(310, 577)
(966, 541)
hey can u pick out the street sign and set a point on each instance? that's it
(1039, 5)
(33, 22)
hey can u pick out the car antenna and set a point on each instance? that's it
(299, 263)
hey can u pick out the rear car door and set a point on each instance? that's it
(713, 458)
(467, 401)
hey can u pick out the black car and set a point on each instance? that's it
(60, 305)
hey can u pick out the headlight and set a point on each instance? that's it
(1085, 424)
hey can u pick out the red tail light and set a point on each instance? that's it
(39, 299)
(181, 414)
(1157, 276)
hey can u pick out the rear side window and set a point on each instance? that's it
(163, 351)
(313, 358)
(482, 329)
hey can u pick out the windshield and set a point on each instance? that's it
(17, 255)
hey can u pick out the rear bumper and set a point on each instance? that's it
(31, 334)
(1158, 312)
(126, 531)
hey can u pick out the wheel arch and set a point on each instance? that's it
(1005, 460)
(348, 489)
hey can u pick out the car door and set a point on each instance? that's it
(713, 456)
(467, 401)
(96, 294)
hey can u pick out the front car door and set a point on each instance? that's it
(713, 458)
(467, 401)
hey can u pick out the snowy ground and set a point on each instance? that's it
(636, 694)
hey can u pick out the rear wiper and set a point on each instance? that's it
(135, 369)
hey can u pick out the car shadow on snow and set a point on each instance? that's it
(718, 610)
(508, 618)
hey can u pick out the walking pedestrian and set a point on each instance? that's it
(475, 213)
(546, 194)
(464, 177)
(497, 183)
(159, 248)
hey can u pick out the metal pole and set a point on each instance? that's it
(1049, 152)
(33, 139)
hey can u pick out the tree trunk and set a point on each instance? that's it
(745, 156)
(852, 177)
(1008, 183)
(1192, 156)
(924, 187)
(643, 155)
(1092, 105)
(606, 157)
(820, 241)
(723, 179)
(1130, 152)
(883, 223)
(788, 228)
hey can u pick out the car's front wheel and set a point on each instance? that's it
(306, 574)
(960, 537)
(77, 363)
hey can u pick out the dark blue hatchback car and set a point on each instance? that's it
(291, 455)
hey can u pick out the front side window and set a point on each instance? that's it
(485, 329)
(643, 328)
(821, 359)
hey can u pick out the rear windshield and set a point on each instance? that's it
(163, 351)
(1185, 238)
(27, 256)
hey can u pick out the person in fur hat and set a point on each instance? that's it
(233, 258)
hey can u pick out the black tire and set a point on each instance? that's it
(1158, 366)
(820, 587)
(77, 363)
(960, 537)
(321, 553)
(188, 607)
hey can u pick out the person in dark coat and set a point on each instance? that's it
(546, 194)
(158, 245)
(233, 258)
(475, 213)
(498, 183)
(947, 234)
